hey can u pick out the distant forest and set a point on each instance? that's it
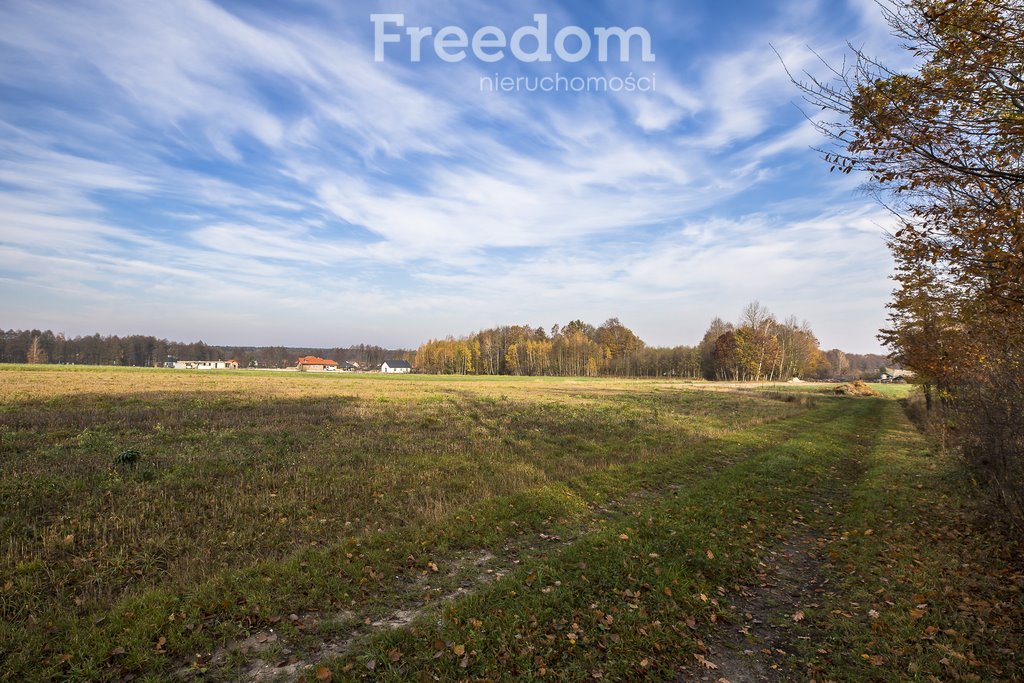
(36, 346)
(757, 347)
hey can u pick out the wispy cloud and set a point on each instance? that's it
(183, 154)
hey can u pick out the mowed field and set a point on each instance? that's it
(161, 525)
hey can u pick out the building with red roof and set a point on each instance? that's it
(314, 364)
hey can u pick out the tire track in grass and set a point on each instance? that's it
(669, 474)
(926, 581)
(654, 579)
(769, 629)
(680, 551)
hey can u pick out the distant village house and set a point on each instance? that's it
(396, 367)
(200, 364)
(894, 376)
(314, 364)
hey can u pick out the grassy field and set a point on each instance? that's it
(238, 525)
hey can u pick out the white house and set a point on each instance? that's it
(396, 367)
(203, 365)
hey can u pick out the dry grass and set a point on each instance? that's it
(152, 516)
(240, 468)
(857, 388)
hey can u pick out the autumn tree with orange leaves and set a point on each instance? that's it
(942, 147)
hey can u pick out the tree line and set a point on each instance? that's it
(44, 346)
(757, 347)
(942, 146)
(577, 349)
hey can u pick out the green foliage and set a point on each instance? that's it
(127, 458)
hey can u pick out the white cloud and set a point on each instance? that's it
(268, 160)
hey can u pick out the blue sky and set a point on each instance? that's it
(247, 173)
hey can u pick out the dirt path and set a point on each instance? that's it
(270, 658)
(772, 622)
(266, 656)
(758, 645)
(770, 619)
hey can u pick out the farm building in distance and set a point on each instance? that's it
(200, 364)
(314, 364)
(890, 375)
(396, 367)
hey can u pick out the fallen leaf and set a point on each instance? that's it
(710, 554)
(916, 614)
(705, 662)
(623, 537)
(459, 650)
(798, 616)
(323, 674)
(394, 654)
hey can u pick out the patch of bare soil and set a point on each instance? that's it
(266, 655)
(770, 620)
(771, 626)
(271, 657)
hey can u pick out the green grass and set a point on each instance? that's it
(931, 587)
(259, 495)
(241, 474)
(620, 602)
